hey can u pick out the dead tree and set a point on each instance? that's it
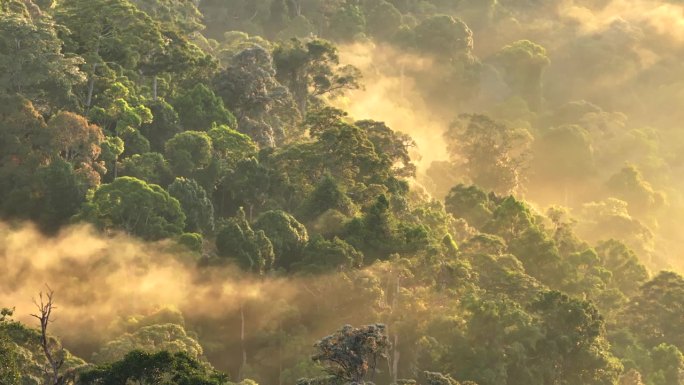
(54, 353)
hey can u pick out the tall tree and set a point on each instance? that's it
(110, 35)
(311, 69)
(492, 154)
(32, 62)
(264, 108)
(136, 207)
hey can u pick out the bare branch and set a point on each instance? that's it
(54, 355)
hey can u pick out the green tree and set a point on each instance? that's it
(469, 203)
(180, 368)
(628, 273)
(288, 236)
(328, 195)
(9, 366)
(393, 147)
(231, 146)
(347, 23)
(141, 209)
(443, 36)
(150, 167)
(251, 249)
(108, 34)
(199, 108)
(57, 196)
(376, 233)
(32, 62)
(574, 349)
(150, 339)
(383, 19)
(668, 365)
(523, 63)
(188, 152)
(181, 15)
(653, 312)
(321, 255)
(311, 69)
(198, 209)
(164, 125)
(264, 108)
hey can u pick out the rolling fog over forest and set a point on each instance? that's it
(333, 192)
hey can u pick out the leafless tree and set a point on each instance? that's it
(54, 352)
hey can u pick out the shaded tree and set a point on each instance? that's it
(198, 209)
(141, 209)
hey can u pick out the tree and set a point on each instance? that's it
(668, 365)
(179, 367)
(435, 378)
(492, 154)
(188, 152)
(287, 235)
(264, 108)
(630, 186)
(24, 138)
(653, 312)
(107, 34)
(34, 182)
(9, 367)
(564, 155)
(58, 194)
(347, 151)
(78, 142)
(628, 273)
(248, 185)
(231, 146)
(376, 233)
(252, 249)
(181, 15)
(199, 109)
(523, 63)
(164, 125)
(198, 209)
(55, 354)
(383, 19)
(321, 255)
(574, 347)
(328, 195)
(32, 62)
(469, 203)
(150, 167)
(444, 36)
(150, 339)
(141, 209)
(347, 23)
(393, 147)
(311, 69)
(111, 149)
(349, 353)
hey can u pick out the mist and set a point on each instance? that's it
(186, 172)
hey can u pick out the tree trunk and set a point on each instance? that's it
(395, 359)
(91, 87)
(243, 365)
(154, 88)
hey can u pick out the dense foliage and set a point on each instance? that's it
(542, 248)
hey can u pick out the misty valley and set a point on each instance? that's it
(341, 192)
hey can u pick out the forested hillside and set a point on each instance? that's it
(331, 192)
